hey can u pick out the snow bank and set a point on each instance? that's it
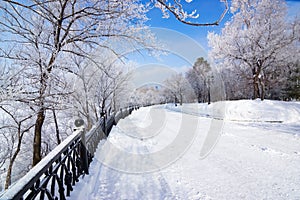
(263, 111)
(245, 110)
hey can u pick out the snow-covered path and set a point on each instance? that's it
(145, 132)
(252, 160)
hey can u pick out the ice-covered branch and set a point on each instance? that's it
(176, 8)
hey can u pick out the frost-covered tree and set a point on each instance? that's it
(258, 43)
(147, 95)
(10, 87)
(40, 35)
(196, 83)
(17, 123)
(98, 86)
(200, 78)
(237, 84)
(178, 88)
(292, 86)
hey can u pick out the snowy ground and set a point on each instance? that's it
(257, 155)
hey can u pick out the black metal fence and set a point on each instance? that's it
(55, 175)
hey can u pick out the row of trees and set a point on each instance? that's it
(193, 86)
(86, 93)
(52, 72)
(256, 54)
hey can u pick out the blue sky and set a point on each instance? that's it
(191, 41)
(209, 11)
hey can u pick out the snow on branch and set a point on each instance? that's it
(176, 8)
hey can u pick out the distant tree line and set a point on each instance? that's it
(195, 84)
(256, 54)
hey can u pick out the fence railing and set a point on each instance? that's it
(55, 175)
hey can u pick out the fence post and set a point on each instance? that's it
(79, 123)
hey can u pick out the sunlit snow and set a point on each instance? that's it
(256, 157)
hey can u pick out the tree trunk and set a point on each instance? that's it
(37, 142)
(56, 127)
(88, 117)
(10, 167)
(8, 175)
(103, 111)
(256, 93)
(181, 99)
(199, 97)
(262, 87)
(13, 158)
(96, 113)
(89, 122)
(208, 102)
(114, 102)
(257, 83)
